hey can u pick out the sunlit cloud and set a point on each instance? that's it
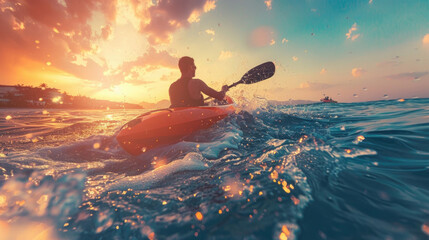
(351, 35)
(425, 39)
(323, 71)
(284, 41)
(54, 34)
(166, 17)
(357, 72)
(17, 25)
(209, 5)
(313, 86)
(210, 32)
(269, 5)
(225, 55)
(262, 36)
(173, 75)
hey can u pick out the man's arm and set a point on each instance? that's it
(211, 92)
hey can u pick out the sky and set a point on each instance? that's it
(128, 50)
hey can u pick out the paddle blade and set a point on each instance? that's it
(259, 73)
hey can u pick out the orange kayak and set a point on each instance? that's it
(169, 125)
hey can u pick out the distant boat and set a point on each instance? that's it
(327, 100)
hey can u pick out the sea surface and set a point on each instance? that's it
(317, 171)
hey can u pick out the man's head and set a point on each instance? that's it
(187, 66)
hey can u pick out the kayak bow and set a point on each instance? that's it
(169, 125)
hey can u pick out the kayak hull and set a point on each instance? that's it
(168, 126)
(328, 101)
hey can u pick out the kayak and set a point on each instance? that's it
(328, 101)
(169, 125)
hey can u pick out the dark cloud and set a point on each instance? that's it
(407, 76)
(106, 31)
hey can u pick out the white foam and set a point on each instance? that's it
(230, 140)
(191, 162)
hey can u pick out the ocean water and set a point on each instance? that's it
(318, 171)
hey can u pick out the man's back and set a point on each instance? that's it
(185, 93)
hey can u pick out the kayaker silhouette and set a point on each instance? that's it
(186, 91)
(166, 126)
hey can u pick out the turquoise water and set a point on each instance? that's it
(319, 171)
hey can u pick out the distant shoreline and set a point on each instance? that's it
(65, 108)
(43, 97)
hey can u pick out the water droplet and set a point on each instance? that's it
(199, 216)
(425, 228)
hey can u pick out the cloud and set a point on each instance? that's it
(170, 77)
(284, 41)
(313, 86)
(166, 17)
(151, 60)
(408, 76)
(262, 36)
(106, 31)
(350, 34)
(49, 31)
(425, 39)
(61, 36)
(391, 63)
(210, 32)
(323, 71)
(357, 72)
(225, 55)
(269, 5)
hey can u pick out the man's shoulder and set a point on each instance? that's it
(173, 85)
(197, 81)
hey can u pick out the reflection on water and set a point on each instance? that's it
(318, 171)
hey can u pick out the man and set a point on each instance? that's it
(186, 91)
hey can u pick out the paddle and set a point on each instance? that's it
(256, 74)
